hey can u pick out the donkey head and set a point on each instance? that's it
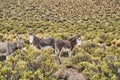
(31, 38)
(20, 43)
(78, 40)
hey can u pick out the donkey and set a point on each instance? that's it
(7, 48)
(41, 43)
(66, 46)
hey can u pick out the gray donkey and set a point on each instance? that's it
(7, 48)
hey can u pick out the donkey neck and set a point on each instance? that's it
(36, 40)
(73, 43)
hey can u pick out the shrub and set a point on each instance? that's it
(29, 65)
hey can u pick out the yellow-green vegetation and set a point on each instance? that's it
(30, 65)
(98, 21)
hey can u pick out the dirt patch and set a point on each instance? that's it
(69, 74)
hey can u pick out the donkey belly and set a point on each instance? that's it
(46, 47)
(65, 50)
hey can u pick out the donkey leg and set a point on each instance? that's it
(59, 58)
(57, 53)
(70, 53)
(53, 49)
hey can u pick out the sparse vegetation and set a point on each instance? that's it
(98, 21)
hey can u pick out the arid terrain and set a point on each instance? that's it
(97, 21)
